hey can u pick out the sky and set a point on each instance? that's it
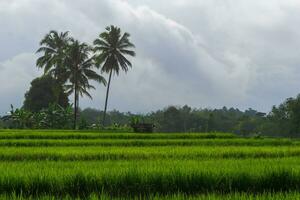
(207, 54)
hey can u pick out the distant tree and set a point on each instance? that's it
(251, 112)
(44, 91)
(2, 124)
(111, 48)
(172, 120)
(92, 116)
(293, 107)
(246, 126)
(83, 124)
(186, 117)
(211, 123)
(286, 117)
(79, 71)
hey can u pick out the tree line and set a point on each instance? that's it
(39, 112)
(282, 121)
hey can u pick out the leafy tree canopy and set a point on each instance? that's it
(44, 91)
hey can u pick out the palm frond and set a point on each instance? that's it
(127, 52)
(111, 48)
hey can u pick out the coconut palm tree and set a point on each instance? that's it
(111, 48)
(53, 47)
(79, 71)
(53, 50)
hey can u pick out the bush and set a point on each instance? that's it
(53, 117)
(2, 125)
(120, 129)
(83, 124)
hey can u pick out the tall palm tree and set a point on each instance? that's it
(53, 47)
(111, 48)
(79, 70)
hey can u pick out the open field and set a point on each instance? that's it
(91, 165)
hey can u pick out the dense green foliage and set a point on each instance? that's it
(286, 117)
(186, 119)
(43, 92)
(282, 121)
(95, 165)
(52, 117)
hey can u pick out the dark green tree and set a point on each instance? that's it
(247, 126)
(286, 117)
(111, 48)
(44, 91)
(186, 116)
(172, 120)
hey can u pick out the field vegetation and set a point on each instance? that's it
(93, 165)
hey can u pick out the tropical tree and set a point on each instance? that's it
(70, 63)
(111, 48)
(79, 71)
(43, 92)
(53, 47)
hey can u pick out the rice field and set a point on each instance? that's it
(91, 165)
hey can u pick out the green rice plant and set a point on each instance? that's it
(125, 178)
(93, 165)
(107, 142)
(233, 196)
(145, 153)
(30, 134)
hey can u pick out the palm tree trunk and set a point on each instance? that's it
(106, 99)
(75, 108)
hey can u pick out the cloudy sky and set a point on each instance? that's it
(204, 53)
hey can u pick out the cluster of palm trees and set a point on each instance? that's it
(73, 63)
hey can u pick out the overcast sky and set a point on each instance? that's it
(204, 53)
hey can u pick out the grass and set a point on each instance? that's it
(91, 165)
(163, 177)
(234, 196)
(122, 178)
(145, 153)
(145, 142)
(44, 134)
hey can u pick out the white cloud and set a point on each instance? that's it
(16, 75)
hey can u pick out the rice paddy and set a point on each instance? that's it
(92, 165)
